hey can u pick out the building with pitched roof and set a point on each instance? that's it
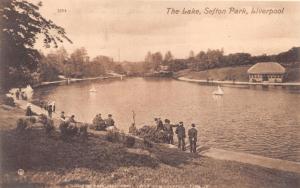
(266, 72)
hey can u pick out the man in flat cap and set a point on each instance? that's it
(192, 133)
(180, 131)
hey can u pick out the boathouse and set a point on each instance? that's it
(266, 72)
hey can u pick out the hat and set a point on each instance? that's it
(180, 122)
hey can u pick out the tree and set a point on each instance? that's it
(105, 61)
(178, 64)
(168, 57)
(21, 23)
(293, 55)
(237, 59)
(201, 60)
(214, 58)
(94, 69)
(192, 55)
(157, 60)
(79, 59)
(152, 61)
(119, 69)
(47, 68)
(148, 58)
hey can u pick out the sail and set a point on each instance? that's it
(219, 91)
(93, 89)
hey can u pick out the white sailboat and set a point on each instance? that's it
(219, 91)
(93, 89)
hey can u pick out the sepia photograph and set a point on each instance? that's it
(157, 93)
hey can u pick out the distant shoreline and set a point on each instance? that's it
(72, 80)
(238, 82)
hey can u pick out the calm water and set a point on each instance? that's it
(265, 122)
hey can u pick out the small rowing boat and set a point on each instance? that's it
(219, 91)
(93, 89)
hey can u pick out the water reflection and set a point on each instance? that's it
(218, 99)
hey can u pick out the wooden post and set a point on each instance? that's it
(133, 116)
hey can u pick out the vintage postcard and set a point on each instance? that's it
(159, 93)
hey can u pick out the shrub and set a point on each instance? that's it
(22, 125)
(63, 127)
(129, 141)
(32, 119)
(9, 101)
(47, 123)
(148, 143)
(151, 134)
(83, 130)
(49, 126)
(113, 136)
(72, 129)
(69, 129)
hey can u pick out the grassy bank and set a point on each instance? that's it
(229, 73)
(49, 161)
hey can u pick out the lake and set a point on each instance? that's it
(258, 121)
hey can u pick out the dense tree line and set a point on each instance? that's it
(216, 59)
(75, 65)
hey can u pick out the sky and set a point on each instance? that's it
(129, 29)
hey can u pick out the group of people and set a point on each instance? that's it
(21, 94)
(167, 129)
(48, 106)
(101, 124)
(67, 126)
(63, 118)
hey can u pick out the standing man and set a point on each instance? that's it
(193, 138)
(18, 94)
(49, 111)
(28, 110)
(169, 131)
(53, 106)
(180, 131)
(159, 124)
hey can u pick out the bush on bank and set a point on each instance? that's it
(149, 133)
